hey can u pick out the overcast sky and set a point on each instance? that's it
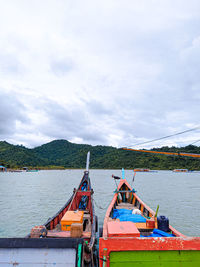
(113, 72)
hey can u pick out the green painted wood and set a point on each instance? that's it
(79, 255)
(155, 258)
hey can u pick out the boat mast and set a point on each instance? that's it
(88, 161)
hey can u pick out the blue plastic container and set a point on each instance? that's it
(163, 223)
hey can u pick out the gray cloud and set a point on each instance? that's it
(70, 122)
(102, 73)
(11, 112)
(9, 64)
(61, 67)
(96, 107)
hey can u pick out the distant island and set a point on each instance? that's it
(60, 154)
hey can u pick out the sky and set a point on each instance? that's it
(107, 72)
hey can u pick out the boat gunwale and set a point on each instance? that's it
(113, 201)
(145, 243)
(93, 229)
(42, 243)
(84, 178)
(127, 244)
(154, 244)
(23, 242)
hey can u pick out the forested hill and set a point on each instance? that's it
(62, 153)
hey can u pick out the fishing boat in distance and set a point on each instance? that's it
(133, 235)
(180, 170)
(26, 169)
(66, 239)
(141, 170)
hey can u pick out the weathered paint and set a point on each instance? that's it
(79, 255)
(105, 257)
(142, 204)
(37, 257)
(157, 244)
(39, 251)
(72, 204)
(155, 258)
(188, 249)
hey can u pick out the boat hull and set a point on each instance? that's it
(144, 252)
(122, 246)
(155, 258)
(40, 252)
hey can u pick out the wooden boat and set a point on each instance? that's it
(3, 169)
(41, 252)
(26, 169)
(48, 244)
(180, 170)
(141, 170)
(136, 239)
(81, 202)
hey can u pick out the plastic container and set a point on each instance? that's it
(71, 217)
(150, 223)
(163, 223)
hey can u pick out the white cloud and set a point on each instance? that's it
(101, 72)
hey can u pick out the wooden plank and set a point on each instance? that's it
(66, 234)
(147, 244)
(37, 257)
(155, 258)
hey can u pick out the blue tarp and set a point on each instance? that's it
(158, 233)
(125, 215)
(83, 203)
(2, 167)
(84, 186)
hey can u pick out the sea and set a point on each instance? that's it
(30, 198)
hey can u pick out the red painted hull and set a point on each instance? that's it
(116, 244)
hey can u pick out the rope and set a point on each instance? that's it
(102, 259)
(98, 205)
(161, 138)
(194, 142)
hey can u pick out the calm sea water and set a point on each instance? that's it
(29, 199)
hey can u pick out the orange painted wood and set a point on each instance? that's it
(122, 229)
(111, 242)
(164, 153)
(144, 226)
(142, 208)
(71, 217)
(65, 234)
(149, 244)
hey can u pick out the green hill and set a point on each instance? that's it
(15, 156)
(63, 153)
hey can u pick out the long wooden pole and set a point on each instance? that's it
(164, 153)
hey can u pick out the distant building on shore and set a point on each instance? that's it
(3, 169)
